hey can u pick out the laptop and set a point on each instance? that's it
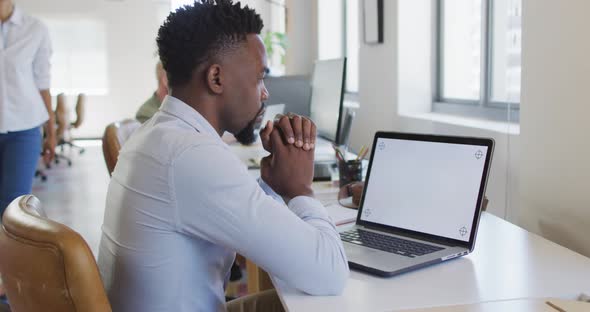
(421, 204)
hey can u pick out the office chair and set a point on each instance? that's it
(61, 113)
(45, 265)
(113, 138)
(64, 126)
(41, 175)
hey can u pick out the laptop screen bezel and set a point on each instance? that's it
(484, 142)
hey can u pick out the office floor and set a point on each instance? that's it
(75, 196)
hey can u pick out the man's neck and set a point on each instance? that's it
(203, 105)
(6, 10)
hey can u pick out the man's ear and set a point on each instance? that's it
(215, 79)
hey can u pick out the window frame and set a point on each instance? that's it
(483, 108)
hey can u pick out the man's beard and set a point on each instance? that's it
(247, 136)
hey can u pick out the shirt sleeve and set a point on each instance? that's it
(41, 63)
(219, 201)
(269, 191)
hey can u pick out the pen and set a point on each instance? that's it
(365, 153)
(339, 154)
(359, 156)
(554, 306)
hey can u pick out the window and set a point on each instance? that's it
(338, 36)
(479, 58)
(275, 36)
(273, 14)
(79, 63)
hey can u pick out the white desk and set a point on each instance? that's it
(507, 263)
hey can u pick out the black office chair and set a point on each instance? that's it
(41, 175)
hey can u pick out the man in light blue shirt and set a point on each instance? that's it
(180, 204)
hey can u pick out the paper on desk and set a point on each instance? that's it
(341, 215)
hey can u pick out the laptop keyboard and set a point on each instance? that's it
(387, 243)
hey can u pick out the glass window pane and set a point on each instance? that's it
(461, 50)
(330, 30)
(352, 45)
(506, 47)
(78, 41)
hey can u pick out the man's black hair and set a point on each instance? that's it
(197, 33)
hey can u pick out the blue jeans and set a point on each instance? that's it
(19, 154)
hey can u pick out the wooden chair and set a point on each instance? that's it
(45, 265)
(113, 138)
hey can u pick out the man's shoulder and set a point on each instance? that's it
(165, 140)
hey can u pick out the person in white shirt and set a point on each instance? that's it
(180, 204)
(25, 101)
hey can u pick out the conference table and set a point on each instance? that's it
(507, 263)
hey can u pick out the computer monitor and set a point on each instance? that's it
(327, 95)
(293, 91)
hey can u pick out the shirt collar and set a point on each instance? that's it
(17, 16)
(183, 111)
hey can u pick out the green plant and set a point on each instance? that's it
(275, 42)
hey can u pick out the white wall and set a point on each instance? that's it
(555, 166)
(396, 77)
(131, 32)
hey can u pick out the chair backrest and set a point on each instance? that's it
(114, 136)
(80, 110)
(45, 265)
(61, 116)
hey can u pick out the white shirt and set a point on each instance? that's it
(180, 204)
(25, 50)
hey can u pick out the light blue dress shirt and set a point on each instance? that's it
(180, 204)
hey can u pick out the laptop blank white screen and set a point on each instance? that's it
(428, 187)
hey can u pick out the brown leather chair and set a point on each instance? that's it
(45, 265)
(113, 138)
